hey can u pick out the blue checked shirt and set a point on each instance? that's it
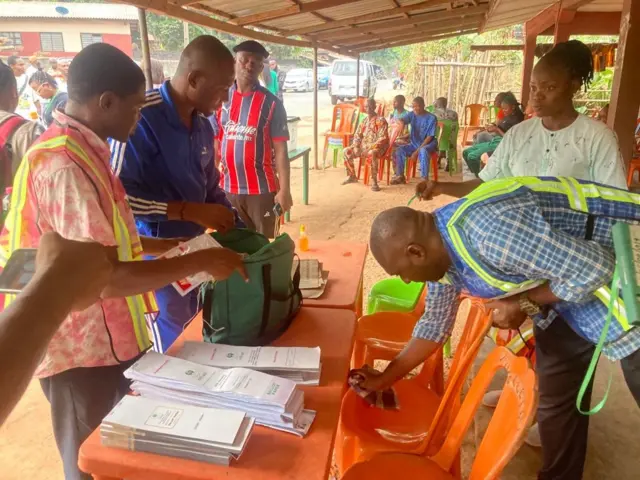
(531, 236)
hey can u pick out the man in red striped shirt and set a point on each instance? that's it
(255, 162)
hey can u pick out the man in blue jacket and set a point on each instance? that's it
(168, 169)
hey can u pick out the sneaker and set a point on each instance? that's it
(375, 187)
(349, 180)
(533, 437)
(491, 399)
(398, 180)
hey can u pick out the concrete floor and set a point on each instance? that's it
(27, 447)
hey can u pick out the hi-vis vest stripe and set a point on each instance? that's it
(576, 194)
(141, 307)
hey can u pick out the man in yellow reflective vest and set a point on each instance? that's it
(545, 245)
(64, 185)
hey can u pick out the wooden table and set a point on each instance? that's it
(270, 454)
(345, 262)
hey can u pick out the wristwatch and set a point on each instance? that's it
(528, 307)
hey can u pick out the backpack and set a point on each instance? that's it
(257, 312)
(7, 128)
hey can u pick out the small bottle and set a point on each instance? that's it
(303, 241)
(6, 201)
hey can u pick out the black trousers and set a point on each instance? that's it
(80, 398)
(562, 359)
(256, 211)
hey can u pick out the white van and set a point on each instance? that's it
(342, 83)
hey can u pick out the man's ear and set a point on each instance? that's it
(192, 78)
(106, 100)
(416, 251)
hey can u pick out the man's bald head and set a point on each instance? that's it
(203, 52)
(204, 74)
(406, 243)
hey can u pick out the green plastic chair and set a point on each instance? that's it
(393, 295)
(445, 144)
(430, 108)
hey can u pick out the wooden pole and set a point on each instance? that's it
(146, 53)
(315, 108)
(185, 33)
(424, 81)
(452, 74)
(358, 77)
(527, 64)
(625, 95)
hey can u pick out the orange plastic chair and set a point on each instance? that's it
(634, 166)
(365, 431)
(361, 103)
(504, 436)
(473, 115)
(343, 125)
(384, 159)
(380, 110)
(412, 165)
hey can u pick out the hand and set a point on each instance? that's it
(220, 263)
(373, 379)
(80, 270)
(507, 313)
(283, 197)
(426, 190)
(209, 215)
(414, 156)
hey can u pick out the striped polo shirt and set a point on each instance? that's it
(251, 123)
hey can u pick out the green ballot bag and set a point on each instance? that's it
(257, 312)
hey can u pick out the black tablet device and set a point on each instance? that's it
(18, 271)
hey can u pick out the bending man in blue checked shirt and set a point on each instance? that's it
(549, 237)
(168, 170)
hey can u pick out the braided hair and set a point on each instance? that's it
(575, 58)
(40, 77)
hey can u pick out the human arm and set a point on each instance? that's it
(605, 161)
(158, 246)
(428, 189)
(382, 135)
(279, 136)
(432, 330)
(568, 268)
(133, 278)
(69, 276)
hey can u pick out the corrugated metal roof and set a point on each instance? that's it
(85, 11)
(356, 26)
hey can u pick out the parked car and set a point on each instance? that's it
(299, 80)
(323, 77)
(342, 83)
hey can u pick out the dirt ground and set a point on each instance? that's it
(27, 447)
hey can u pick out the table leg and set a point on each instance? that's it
(305, 179)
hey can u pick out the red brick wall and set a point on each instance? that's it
(123, 42)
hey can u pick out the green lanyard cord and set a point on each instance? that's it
(412, 199)
(598, 351)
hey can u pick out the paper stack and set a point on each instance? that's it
(313, 278)
(299, 364)
(165, 428)
(272, 401)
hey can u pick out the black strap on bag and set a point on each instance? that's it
(296, 293)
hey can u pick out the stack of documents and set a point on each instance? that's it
(313, 278)
(165, 428)
(299, 364)
(274, 402)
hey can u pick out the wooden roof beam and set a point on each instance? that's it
(368, 17)
(431, 38)
(444, 27)
(288, 11)
(403, 22)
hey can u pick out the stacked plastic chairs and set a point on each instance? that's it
(473, 115)
(365, 431)
(343, 127)
(504, 436)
